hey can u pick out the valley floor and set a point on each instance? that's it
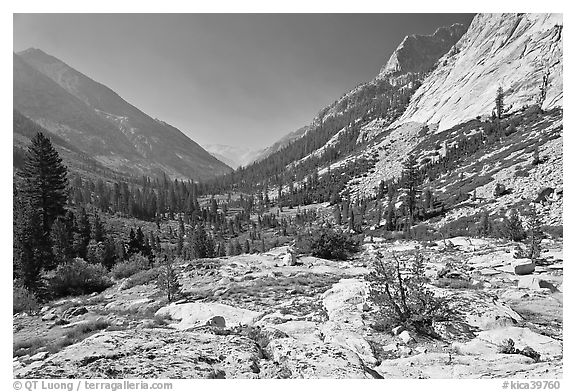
(255, 316)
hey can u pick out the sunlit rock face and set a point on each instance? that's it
(512, 51)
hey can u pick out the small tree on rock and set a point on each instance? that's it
(400, 292)
(168, 279)
(535, 234)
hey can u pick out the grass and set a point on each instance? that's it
(75, 335)
(142, 277)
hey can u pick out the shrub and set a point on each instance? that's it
(513, 228)
(328, 244)
(23, 300)
(78, 277)
(507, 347)
(463, 226)
(484, 225)
(424, 232)
(553, 231)
(134, 264)
(402, 298)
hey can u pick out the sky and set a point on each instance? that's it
(234, 79)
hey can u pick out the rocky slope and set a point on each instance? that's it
(512, 51)
(255, 316)
(522, 53)
(94, 119)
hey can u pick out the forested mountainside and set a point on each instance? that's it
(337, 130)
(365, 136)
(98, 122)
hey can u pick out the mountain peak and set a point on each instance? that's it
(418, 53)
(96, 120)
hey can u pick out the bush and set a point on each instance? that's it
(513, 228)
(507, 347)
(328, 244)
(402, 298)
(78, 277)
(23, 300)
(553, 231)
(134, 264)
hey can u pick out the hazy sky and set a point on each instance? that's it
(243, 79)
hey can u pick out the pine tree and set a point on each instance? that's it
(390, 217)
(42, 193)
(62, 237)
(410, 173)
(536, 157)
(168, 279)
(82, 234)
(199, 242)
(499, 103)
(180, 243)
(45, 182)
(29, 251)
(337, 215)
(513, 227)
(535, 234)
(351, 219)
(97, 232)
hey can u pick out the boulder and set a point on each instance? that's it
(39, 356)
(523, 266)
(406, 337)
(75, 311)
(216, 321)
(49, 317)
